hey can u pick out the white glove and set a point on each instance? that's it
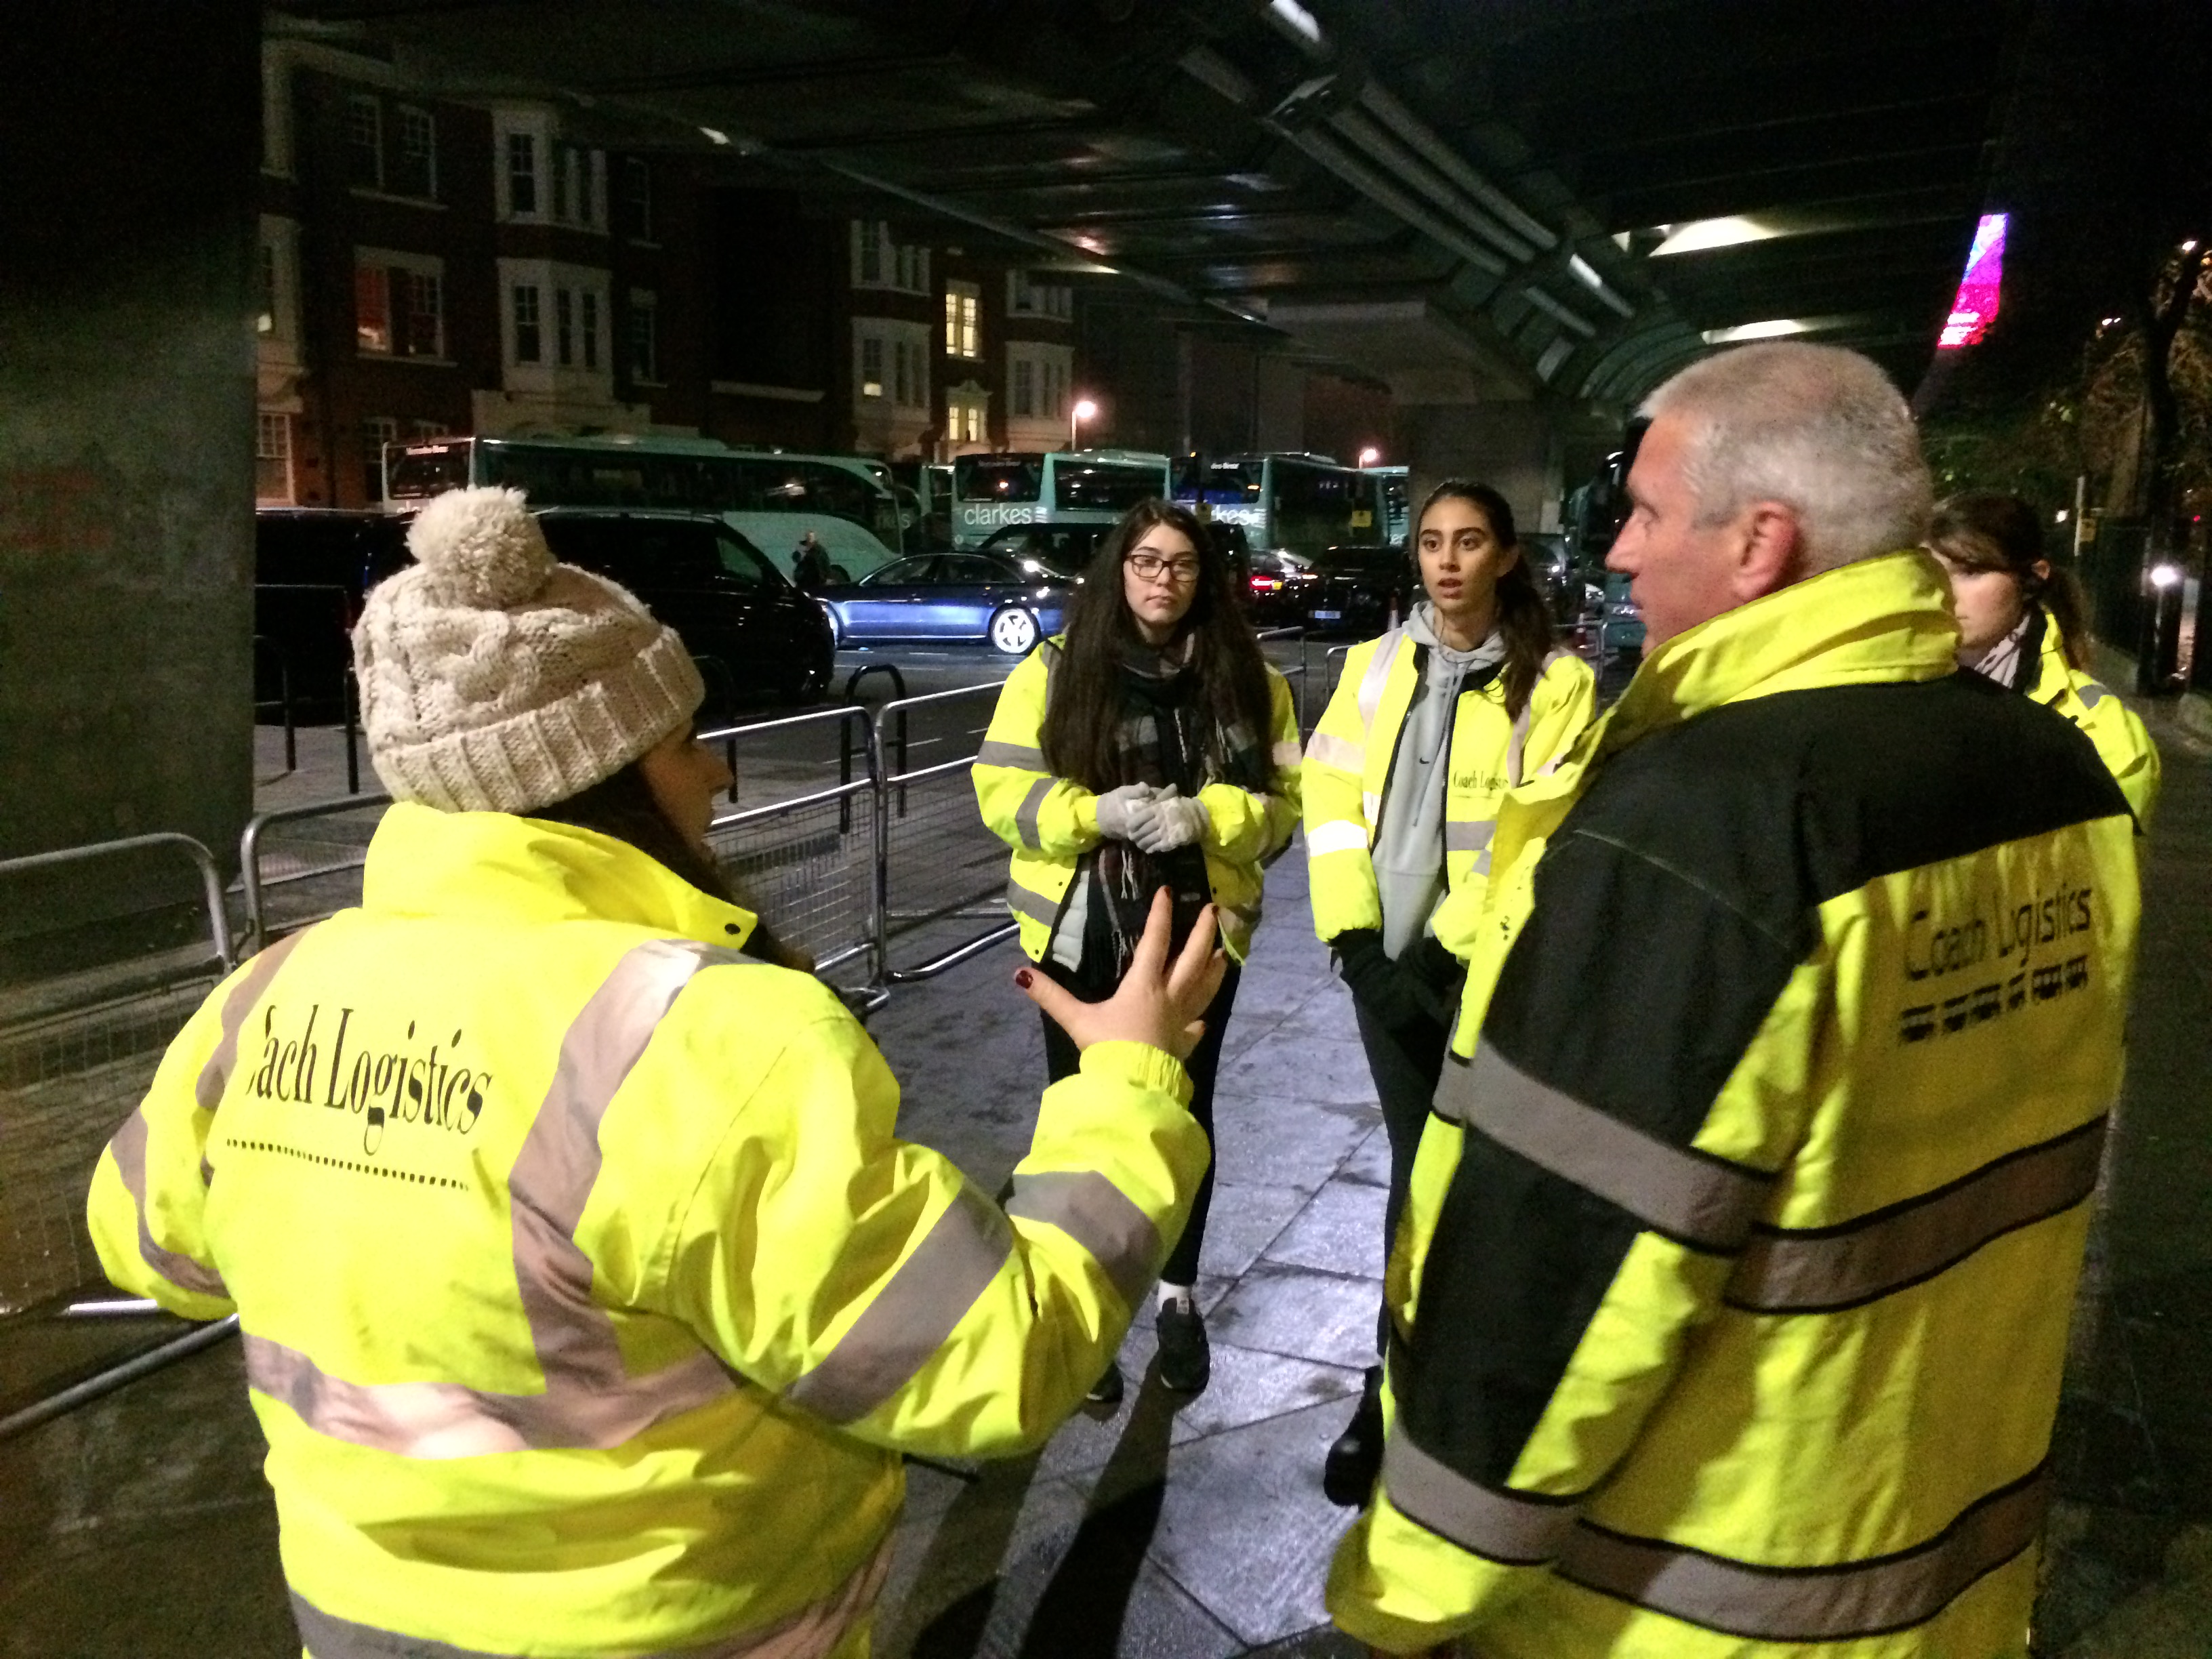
(1176, 820)
(1120, 811)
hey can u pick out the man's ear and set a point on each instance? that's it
(1770, 556)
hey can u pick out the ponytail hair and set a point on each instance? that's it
(1523, 619)
(1989, 531)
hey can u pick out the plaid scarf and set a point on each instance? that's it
(1165, 737)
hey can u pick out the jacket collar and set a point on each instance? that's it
(496, 868)
(1880, 619)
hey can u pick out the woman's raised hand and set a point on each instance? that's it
(1158, 1002)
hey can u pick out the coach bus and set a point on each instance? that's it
(1291, 503)
(771, 497)
(1066, 486)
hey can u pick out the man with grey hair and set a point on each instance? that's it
(1732, 1293)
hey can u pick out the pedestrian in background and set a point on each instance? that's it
(1428, 727)
(2021, 624)
(810, 565)
(1149, 748)
(1743, 1241)
(588, 1298)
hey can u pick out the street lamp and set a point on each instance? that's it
(1081, 409)
(1370, 455)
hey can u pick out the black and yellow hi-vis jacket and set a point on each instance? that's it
(1733, 1287)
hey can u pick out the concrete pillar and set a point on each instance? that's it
(128, 285)
(1512, 447)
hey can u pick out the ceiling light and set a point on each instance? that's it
(1585, 273)
(1774, 328)
(1700, 234)
(714, 136)
(1296, 19)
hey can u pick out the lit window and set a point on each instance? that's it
(266, 322)
(365, 141)
(644, 336)
(416, 172)
(372, 308)
(272, 457)
(521, 172)
(871, 367)
(963, 337)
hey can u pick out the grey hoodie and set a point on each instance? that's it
(1409, 841)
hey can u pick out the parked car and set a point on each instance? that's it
(1357, 591)
(752, 634)
(951, 596)
(311, 568)
(1272, 583)
(1049, 549)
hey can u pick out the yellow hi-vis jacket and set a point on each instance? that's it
(1348, 761)
(1733, 1287)
(588, 1298)
(1051, 822)
(2111, 724)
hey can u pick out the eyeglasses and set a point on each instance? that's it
(1149, 568)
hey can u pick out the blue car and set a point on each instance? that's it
(1013, 603)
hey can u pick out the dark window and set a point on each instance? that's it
(1102, 489)
(521, 172)
(901, 573)
(364, 141)
(637, 197)
(996, 477)
(742, 560)
(971, 569)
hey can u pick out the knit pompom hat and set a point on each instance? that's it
(494, 679)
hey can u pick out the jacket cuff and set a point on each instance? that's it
(1140, 1064)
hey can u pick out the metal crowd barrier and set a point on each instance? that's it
(330, 861)
(77, 1055)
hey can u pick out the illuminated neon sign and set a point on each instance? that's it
(1976, 305)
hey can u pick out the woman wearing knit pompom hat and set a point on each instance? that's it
(588, 1298)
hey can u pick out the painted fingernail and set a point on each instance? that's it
(1022, 979)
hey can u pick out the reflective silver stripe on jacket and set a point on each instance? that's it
(1019, 756)
(129, 1147)
(589, 1400)
(912, 1315)
(1825, 1269)
(1036, 906)
(214, 1076)
(1700, 1200)
(1338, 835)
(1893, 1592)
(813, 1632)
(1025, 815)
(1097, 1215)
(1465, 836)
(1341, 752)
(1377, 677)
(1287, 754)
(1518, 1528)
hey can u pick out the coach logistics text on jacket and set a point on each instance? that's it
(1050, 822)
(1746, 1232)
(588, 1298)
(1348, 766)
(2112, 725)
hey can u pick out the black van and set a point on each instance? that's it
(311, 568)
(752, 634)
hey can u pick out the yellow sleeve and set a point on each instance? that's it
(1561, 705)
(867, 1281)
(148, 1206)
(1341, 869)
(1023, 804)
(1245, 828)
(2126, 748)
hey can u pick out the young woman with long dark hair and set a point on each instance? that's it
(1149, 748)
(1428, 728)
(2021, 624)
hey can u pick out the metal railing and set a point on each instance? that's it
(76, 1058)
(951, 867)
(339, 859)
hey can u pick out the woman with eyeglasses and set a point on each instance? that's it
(1148, 749)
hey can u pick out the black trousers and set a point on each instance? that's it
(1061, 1059)
(1405, 1063)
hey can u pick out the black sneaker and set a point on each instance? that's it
(1186, 1362)
(1356, 1457)
(1107, 1390)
